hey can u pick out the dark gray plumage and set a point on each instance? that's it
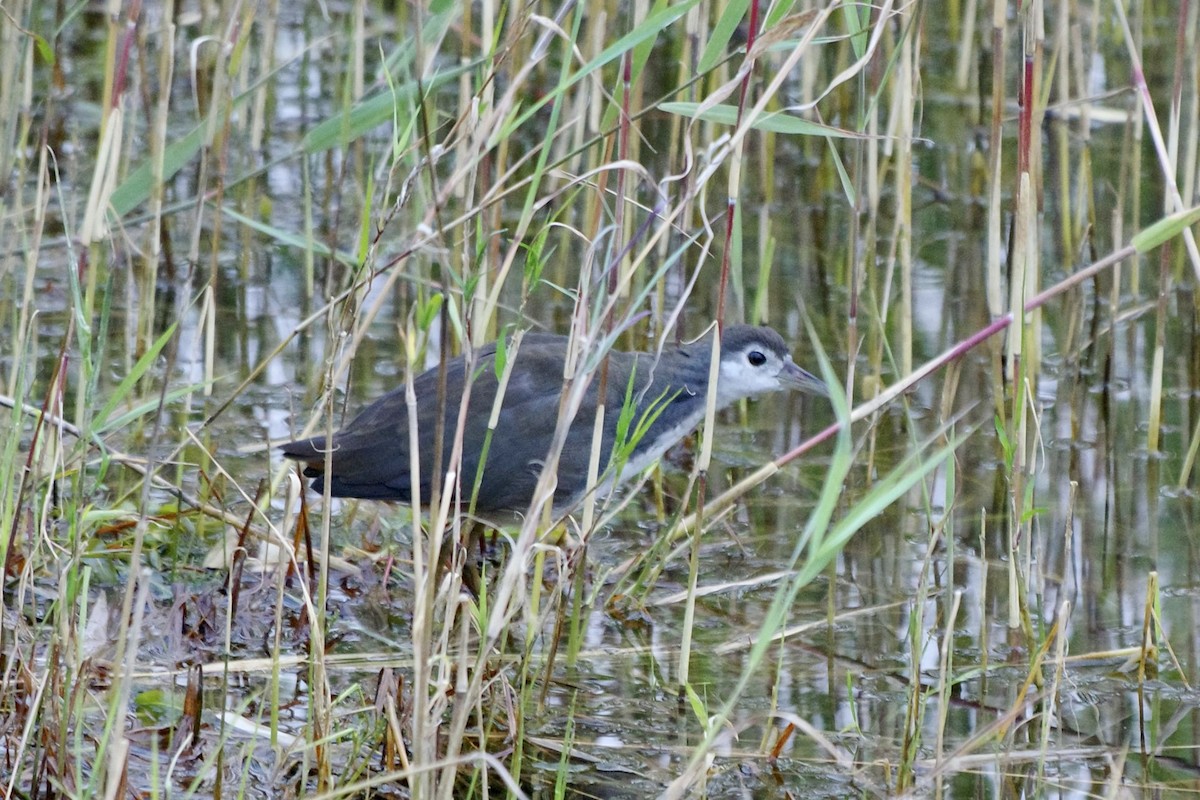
(371, 455)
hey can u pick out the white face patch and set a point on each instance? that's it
(752, 370)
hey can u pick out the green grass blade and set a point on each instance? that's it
(290, 239)
(135, 374)
(1166, 228)
(718, 44)
(774, 122)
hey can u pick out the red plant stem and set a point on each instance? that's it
(1025, 130)
(128, 39)
(731, 203)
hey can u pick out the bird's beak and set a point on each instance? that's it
(793, 377)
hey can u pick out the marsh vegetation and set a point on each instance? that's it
(972, 573)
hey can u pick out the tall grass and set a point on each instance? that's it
(247, 209)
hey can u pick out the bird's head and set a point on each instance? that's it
(754, 361)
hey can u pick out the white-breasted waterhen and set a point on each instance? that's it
(370, 456)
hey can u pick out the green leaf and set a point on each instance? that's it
(534, 260)
(1005, 443)
(651, 26)
(135, 374)
(843, 175)
(146, 407)
(361, 118)
(364, 228)
(718, 44)
(638, 57)
(501, 359)
(1164, 229)
(772, 122)
(369, 113)
(44, 48)
(883, 493)
(135, 189)
(698, 707)
(857, 17)
(290, 239)
(429, 310)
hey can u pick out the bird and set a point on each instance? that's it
(370, 456)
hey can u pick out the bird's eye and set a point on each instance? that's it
(756, 358)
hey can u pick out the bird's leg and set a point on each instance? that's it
(470, 569)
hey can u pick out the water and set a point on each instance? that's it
(866, 644)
